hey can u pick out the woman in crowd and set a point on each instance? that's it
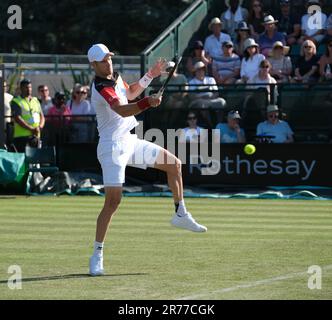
(280, 62)
(256, 18)
(325, 63)
(197, 54)
(306, 68)
(243, 33)
(251, 60)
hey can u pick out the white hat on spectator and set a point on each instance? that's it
(214, 21)
(279, 44)
(199, 65)
(270, 20)
(249, 43)
(98, 52)
(272, 108)
(234, 114)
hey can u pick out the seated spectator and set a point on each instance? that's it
(263, 79)
(243, 33)
(270, 35)
(59, 112)
(80, 108)
(328, 35)
(281, 64)
(274, 127)
(212, 45)
(208, 99)
(251, 60)
(325, 63)
(227, 68)
(289, 23)
(232, 16)
(44, 98)
(192, 133)
(313, 31)
(306, 67)
(230, 132)
(256, 18)
(197, 54)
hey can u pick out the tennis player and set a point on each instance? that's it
(118, 148)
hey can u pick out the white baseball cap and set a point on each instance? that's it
(98, 52)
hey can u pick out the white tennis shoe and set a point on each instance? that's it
(96, 265)
(187, 222)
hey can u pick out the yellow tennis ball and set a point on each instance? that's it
(249, 149)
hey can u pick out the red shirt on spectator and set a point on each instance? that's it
(56, 115)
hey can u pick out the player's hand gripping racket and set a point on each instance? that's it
(176, 61)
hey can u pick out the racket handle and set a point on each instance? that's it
(158, 94)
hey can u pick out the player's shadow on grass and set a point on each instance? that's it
(75, 276)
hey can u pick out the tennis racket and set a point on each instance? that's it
(176, 61)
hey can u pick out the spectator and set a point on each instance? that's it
(281, 64)
(78, 104)
(329, 28)
(232, 16)
(207, 99)
(230, 132)
(270, 36)
(192, 133)
(243, 33)
(263, 79)
(289, 23)
(251, 60)
(28, 118)
(274, 127)
(256, 18)
(227, 68)
(59, 113)
(212, 45)
(306, 67)
(44, 98)
(80, 108)
(325, 63)
(313, 31)
(7, 99)
(197, 54)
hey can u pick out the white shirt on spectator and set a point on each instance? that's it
(212, 45)
(83, 108)
(7, 98)
(250, 67)
(311, 28)
(191, 134)
(281, 130)
(208, 83)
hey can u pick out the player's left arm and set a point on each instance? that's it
(136, 89)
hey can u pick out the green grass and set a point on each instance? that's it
(145, 258)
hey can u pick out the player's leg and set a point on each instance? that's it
(170, 164)
(112, 200)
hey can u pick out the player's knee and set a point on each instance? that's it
(177, 166)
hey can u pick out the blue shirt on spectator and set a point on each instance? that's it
(227, 135)
(281, 130)
(266, 43)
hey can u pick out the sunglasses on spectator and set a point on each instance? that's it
(81, 92)
(228, 46)
(308, 47)
(273, 115)
(256, 5)
(191, 118)
(265, 67)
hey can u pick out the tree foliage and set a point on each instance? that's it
(71, 26)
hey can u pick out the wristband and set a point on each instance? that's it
(145, 81)
(144, 103)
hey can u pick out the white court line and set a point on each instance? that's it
(250, 284)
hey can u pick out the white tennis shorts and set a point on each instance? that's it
(114, 156)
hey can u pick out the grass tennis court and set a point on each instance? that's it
(254, 249)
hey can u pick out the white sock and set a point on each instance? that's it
(181, 211)
(98, 248)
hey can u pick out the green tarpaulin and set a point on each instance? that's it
(12, 167)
